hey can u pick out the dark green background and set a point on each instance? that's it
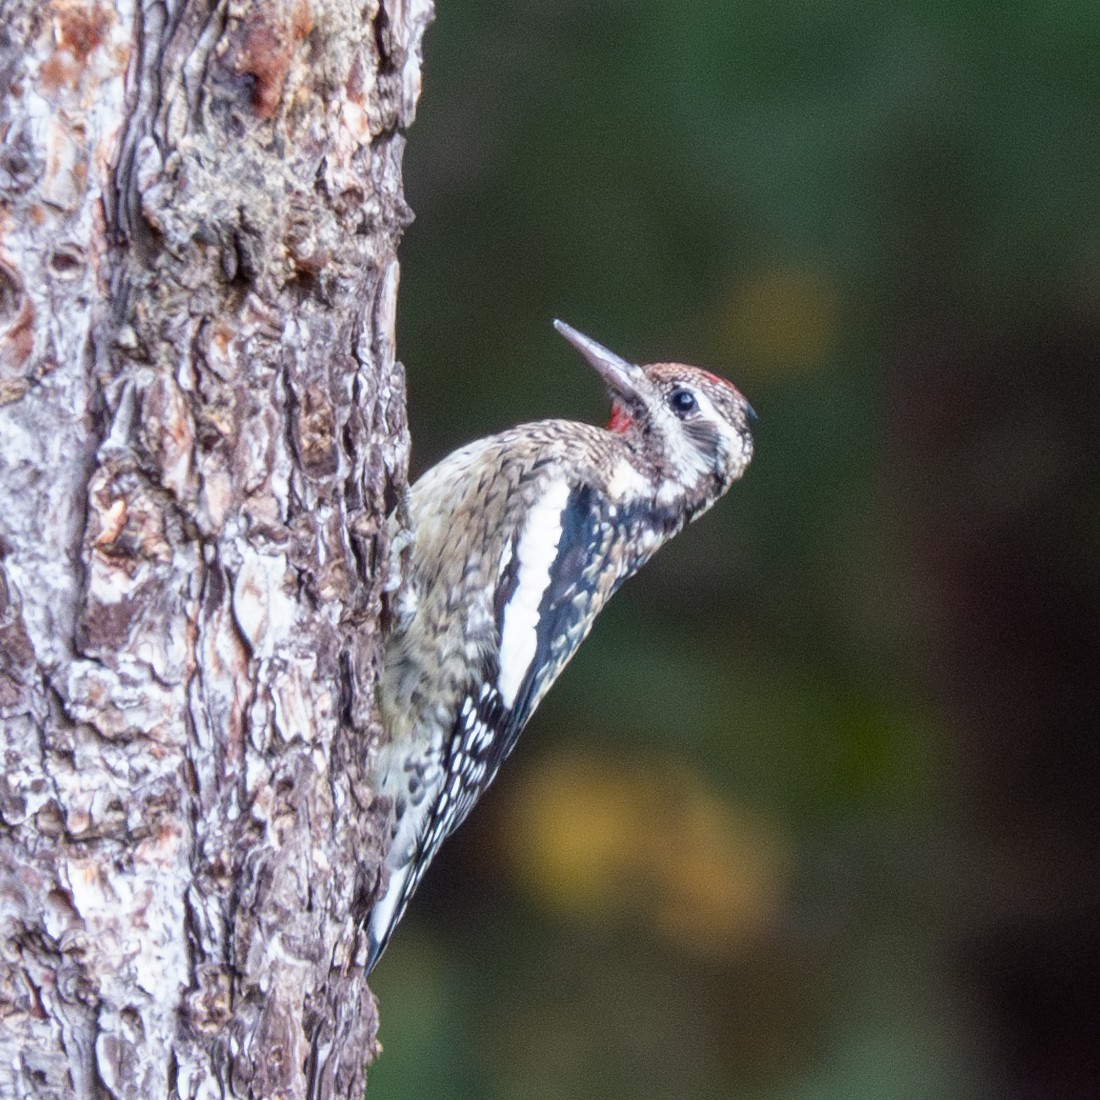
(815, 811)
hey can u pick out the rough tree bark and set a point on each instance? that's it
(201, 417)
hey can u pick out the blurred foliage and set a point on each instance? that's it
(813, 814)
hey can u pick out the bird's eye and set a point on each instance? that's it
(682, 401)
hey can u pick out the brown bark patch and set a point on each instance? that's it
(81, 28)
(16, 333)
(316, 432)
(267, 52)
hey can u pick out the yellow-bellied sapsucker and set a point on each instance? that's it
(519, 541)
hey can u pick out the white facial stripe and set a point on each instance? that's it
(706, 407)
(536, 551)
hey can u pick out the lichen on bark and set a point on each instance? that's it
(201, 423)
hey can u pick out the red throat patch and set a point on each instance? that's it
(620, 419)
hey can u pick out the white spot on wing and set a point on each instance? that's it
(625, 481)
(505, 559)
(537, 549)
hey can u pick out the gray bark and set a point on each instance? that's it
(201, 418)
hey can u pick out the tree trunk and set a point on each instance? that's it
(201, 420)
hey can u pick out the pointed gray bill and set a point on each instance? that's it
(623, 378)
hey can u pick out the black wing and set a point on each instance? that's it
(581, 578)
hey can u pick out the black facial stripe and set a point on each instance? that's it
(705, 436)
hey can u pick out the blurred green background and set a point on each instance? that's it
(814, 814)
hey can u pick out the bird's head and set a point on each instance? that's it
(689, 424)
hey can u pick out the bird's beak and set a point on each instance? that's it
(625, 380)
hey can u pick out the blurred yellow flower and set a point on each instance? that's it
(780, 318)
(646, 841)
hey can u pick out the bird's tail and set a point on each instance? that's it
(387, 911)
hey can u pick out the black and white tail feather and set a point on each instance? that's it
(519, 541)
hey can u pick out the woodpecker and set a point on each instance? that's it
(518, 541)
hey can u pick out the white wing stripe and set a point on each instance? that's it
(536, 551)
